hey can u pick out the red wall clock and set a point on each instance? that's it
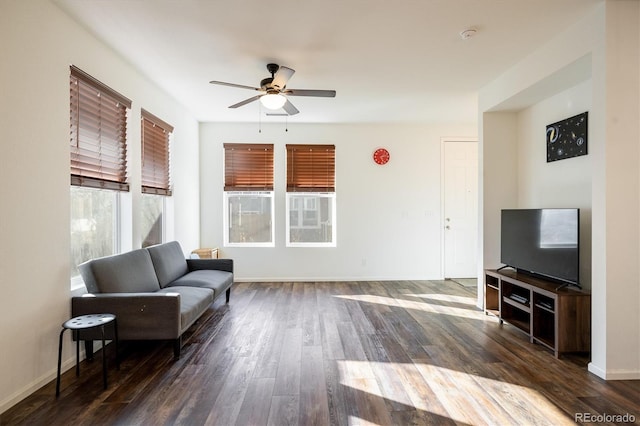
(381, 156)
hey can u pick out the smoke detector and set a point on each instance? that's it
(468, 33)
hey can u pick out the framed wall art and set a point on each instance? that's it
(567, 138)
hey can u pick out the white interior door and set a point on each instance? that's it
(460, 208)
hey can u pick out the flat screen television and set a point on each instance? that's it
(542, 242)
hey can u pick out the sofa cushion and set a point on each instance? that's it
(193, 302)
(169, 262)
(218, 281)
(130, 272)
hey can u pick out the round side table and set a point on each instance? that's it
(85, 322)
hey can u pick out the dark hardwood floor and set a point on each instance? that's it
(384, 353)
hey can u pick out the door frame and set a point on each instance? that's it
(443, 140)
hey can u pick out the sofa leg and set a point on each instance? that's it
(177, 345)
(88, 349)
(228, 294)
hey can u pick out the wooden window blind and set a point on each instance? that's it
(155, 155)
(98, 140)
(311, 168)
(248, 167)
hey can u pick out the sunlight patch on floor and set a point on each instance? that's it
(356, 421)
(424, 306)
(471, 301)
(463, 397)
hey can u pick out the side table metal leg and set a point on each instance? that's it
(104, 359)
(115, 328)
(88, 349)
(77, 334)
(59, 363)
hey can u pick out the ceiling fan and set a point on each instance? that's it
(273, 91)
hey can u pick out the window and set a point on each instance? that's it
(94, 224)
(152, 213)
(98, 159)
(156, 183)
(248, 195)
(98, 134)
(155, 155)
(311, 198)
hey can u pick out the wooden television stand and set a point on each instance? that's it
(557, 318)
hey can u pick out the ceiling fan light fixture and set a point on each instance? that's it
(273, 100)
(272, 90)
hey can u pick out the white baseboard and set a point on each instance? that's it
(614, 374)
(45, 379)
(326, 279)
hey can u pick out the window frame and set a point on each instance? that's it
(310, 173)
(332, 197)
(155, 173)
(98, 146)
(248, 170)
(76, 281)
(155, 140)
(227, 216)
(163, 224)
(98, 159)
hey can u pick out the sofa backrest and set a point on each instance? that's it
(129, 272)
(169, 262)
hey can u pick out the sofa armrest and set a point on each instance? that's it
(217, 264)
(140, 316)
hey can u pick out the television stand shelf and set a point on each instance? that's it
(557, 318)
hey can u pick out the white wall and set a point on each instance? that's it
(564, 183)
(38, 43)
(388, 217)
(606, 41)
(500, 180)
(621, 70)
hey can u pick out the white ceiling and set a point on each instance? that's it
(389, 61)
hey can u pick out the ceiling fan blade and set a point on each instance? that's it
(316, 93)
(246, 101)
(281, 77)
(222, 83)
(289, 108)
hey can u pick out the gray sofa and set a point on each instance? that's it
(155, 293)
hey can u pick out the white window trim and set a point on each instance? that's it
(164, 212)
(225, 201)
(76, 283)
(333, 242)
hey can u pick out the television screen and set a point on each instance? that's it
(542, 242)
